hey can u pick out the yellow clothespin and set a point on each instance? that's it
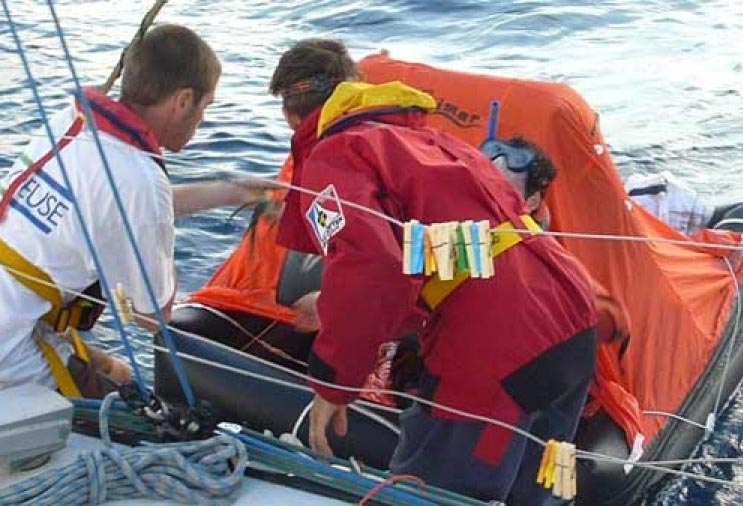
(443, 250)
(570, 487)
(407, 244)
(542, 474)
(485, 242)
(546, 475)
(123, 304)
(430, 259)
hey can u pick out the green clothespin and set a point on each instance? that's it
(461, 250)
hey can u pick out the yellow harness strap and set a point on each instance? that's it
(59, 317)
(62, 376)
(435, 290)
(29, 275)
(81, 349)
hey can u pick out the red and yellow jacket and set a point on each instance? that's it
(369, 145)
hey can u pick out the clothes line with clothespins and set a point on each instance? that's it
(454, 248)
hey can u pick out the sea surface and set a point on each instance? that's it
(665, 76)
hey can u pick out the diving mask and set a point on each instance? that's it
(517, 159)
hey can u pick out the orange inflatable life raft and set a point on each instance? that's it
(679, 296)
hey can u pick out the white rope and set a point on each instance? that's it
(288, 186)
(675, 416)
(465, 414)
(306, 377)
(300, 419)
(355, 390)
(582, 454)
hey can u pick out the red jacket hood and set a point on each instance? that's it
(292, 233)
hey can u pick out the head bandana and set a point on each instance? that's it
(320, 83)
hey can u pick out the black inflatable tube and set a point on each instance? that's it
(262, 405)
(256, 403)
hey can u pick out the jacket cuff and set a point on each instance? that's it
(322, 371)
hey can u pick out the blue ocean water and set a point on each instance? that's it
(666, 77)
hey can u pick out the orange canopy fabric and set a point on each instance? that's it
(678, 296)
(247, 280)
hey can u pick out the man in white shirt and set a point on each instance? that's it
(169, 79)
(679, 205)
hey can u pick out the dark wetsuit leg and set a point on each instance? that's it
(551, 389)
(559, 416)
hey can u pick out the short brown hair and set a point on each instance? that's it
(540, 177)
(322, 63)
(166, 59)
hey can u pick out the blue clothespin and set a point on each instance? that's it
(407, 250)
(417, 247)
(477, 247)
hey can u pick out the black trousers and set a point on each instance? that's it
(551, 389)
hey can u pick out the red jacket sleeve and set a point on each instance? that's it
(365, 298)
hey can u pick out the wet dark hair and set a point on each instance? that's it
(308, 73)
(166, 59)
(538, 179)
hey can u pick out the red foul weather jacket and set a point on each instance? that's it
(382, 156)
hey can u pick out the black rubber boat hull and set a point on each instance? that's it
(256, 403)
(262, 405)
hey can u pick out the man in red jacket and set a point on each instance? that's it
(518, 347)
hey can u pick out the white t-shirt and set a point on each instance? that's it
(671, 200)
(42, 225)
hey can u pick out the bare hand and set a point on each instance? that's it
(113, 367)
(274, 210)
(306, 308)
(253, 190)
(321, 414)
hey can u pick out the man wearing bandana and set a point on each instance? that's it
(518, 347)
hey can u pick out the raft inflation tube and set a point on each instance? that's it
(606, 484)
(262, 405)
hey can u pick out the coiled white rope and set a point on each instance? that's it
(196, 472)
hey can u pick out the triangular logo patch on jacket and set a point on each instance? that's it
(326, 222)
